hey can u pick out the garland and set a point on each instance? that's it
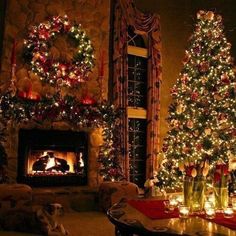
(75, 113)
(60, 73)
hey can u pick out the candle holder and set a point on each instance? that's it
(207, 205)
(228, 212)
(184, 211)
(180, 199)
(167, 207)
(173, 202)
(210, 212)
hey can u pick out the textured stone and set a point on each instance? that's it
(96, 138)
(94, 18)
(36, 7)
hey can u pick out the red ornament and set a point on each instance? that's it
(194, 96)
(173, 91)
(225, 79)
(165, 148)
(88, 100)
(190, 124)
(199, 146)
(204, 67)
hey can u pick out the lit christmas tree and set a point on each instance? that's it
(202, 115)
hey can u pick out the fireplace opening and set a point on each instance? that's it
(52, 157)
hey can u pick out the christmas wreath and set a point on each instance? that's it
(63, 72)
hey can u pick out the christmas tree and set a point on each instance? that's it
(202, 115)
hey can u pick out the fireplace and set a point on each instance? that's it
(52, 157)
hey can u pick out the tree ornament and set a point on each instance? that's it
(209, 15)
(200, 14)
(174, 91)
(203, 79)
(197, 50)
(225, 79)
(59, 73)
(203, 66)
(199, 146)
(194, 96)
(184, 79)
(217, 97)
(207, 131)
(180, 109)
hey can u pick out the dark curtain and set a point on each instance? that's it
(127, 15)
(3, 4)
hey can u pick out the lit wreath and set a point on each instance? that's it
(61, 73)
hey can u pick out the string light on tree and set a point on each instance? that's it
(202, 114)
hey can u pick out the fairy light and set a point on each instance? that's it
(37, 42)
(203, 129)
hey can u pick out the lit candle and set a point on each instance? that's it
(173, 202)
(228, 212)
(167, 207)
(208, 205)
(210, 212)
(183, 212)
(211, 198)
(180, 199)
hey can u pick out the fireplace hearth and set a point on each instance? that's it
(52, 157)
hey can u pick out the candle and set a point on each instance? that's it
(13, 54)
(208, 205)
(173, 202)
(101, 72)
(167, 207)
(183, 212)
(228, 212)
(180, 199)
(210, 212)
(211, 198)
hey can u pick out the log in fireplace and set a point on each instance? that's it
(52, 157)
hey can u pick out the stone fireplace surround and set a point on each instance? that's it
(95, 140)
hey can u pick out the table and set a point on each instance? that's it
(128, 222)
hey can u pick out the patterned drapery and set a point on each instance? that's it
(127, 15)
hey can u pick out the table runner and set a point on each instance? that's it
(154, 209)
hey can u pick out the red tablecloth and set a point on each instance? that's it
(154, 209)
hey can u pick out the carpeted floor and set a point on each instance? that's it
(80, 224)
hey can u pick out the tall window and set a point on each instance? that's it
(136, 70)
(137, 107)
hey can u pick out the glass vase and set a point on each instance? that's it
(221, 197)
(198, 197)
(194, 193)
(188, 189)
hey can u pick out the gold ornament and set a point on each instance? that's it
(209, 15)
(190, 124)
(207, 131)
(180, 109)
(181, 166)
